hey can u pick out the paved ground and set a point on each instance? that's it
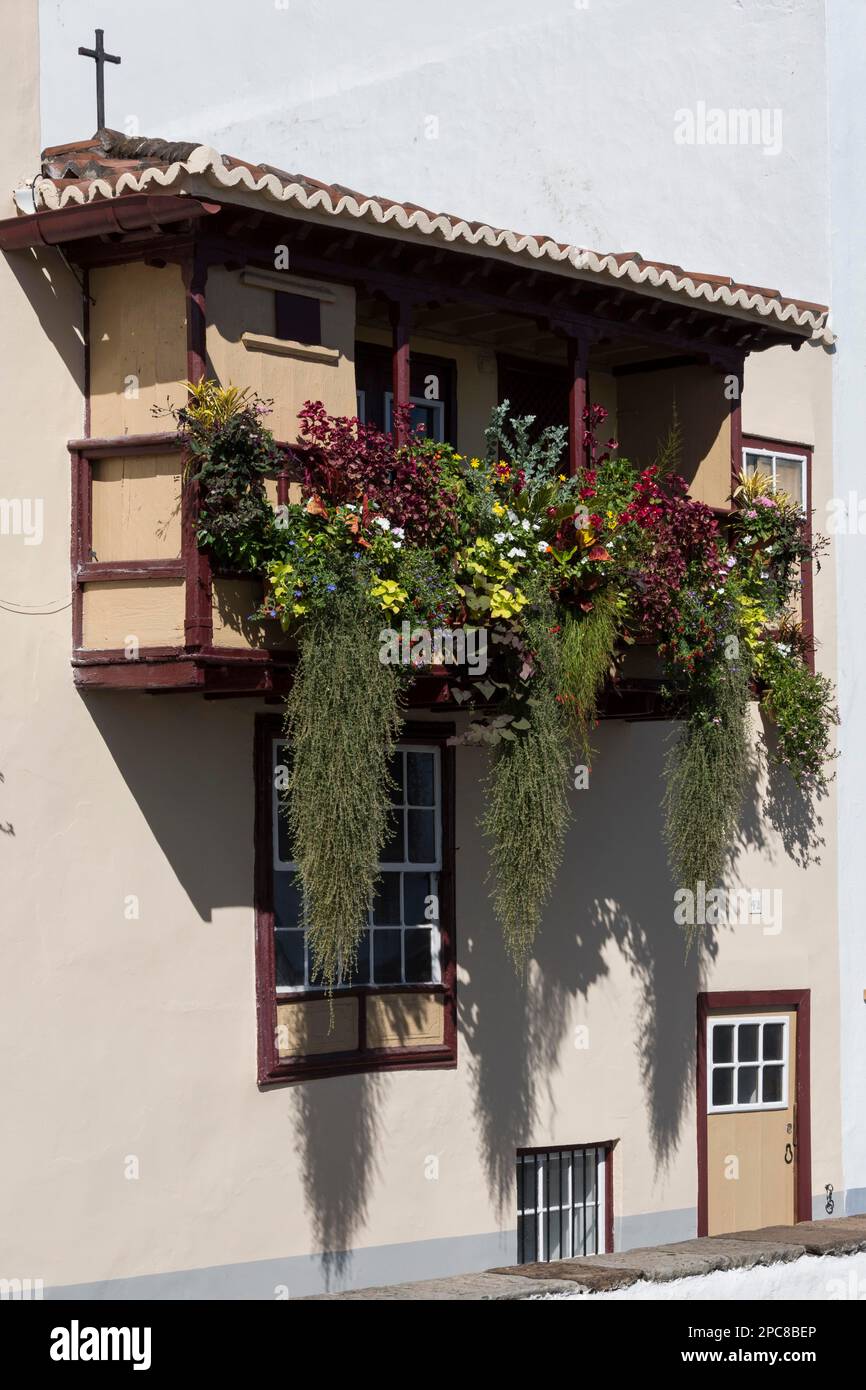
(658, 1263)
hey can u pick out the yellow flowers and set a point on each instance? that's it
(504, 603)
(498, 509)
(562, 478)
(474, 463)
(389, 593)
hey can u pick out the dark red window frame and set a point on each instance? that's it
(763, 443)
(271, 1068)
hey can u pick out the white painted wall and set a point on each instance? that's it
(847, 47)
(554, 117)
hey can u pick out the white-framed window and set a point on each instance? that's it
(788, 471)
(747, 1063)
(561, 1195)
(401, 944)
(430, 414)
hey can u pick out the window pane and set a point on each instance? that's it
(393, 852)
(773, 1042)
(772, 1085)
(528, 1174)
(580, 1233)
(289, 957)
(747, 1042)
(789, 478)
(416, 891)
(361, 973)
(283, 847)
(422, 839)
(287, 900)
(747, 1086)
(590, 1222)
(418, 956)
(395, 771)
(759, 463)
(526, 1239)
(387, 964)
(386, 904)
(723, 1086)
(420, 784)
(723, 1042)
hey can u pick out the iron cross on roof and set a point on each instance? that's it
(100, 57)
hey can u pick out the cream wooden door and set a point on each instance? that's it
(751, 1123)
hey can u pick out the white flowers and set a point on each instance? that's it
(525, 524)
(542, 547)
(500, 538)
(516, 552)
(383, 522)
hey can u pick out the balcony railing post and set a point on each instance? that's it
(401, 323)
(578, 386)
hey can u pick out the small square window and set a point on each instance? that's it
(747, 1064)
(297, 318)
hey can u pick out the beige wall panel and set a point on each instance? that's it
(405, 1020)
(235, 309)
(233, 602)
(778, 395)
(137, 329)
(136, 507)
(305, 1030)
(646, 404)
(152, 610)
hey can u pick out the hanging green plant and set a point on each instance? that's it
(587, 658)
(802, 704)
(527, 811)
(343, 718)
(706, 772)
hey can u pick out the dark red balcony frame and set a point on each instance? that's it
(271, 1068)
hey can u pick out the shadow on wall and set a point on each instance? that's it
(188, 764)
(613, 893)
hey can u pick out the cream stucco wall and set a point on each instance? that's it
(138, 1142)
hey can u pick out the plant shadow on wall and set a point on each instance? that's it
(612, 917)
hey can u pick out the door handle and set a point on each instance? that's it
(789, 1153)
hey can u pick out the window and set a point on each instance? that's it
(788, 471)
(397, 1006)
(432, 386)
(297, 318)
(402, 943)
(563, 1202)
(747, 1064)
(429, 414)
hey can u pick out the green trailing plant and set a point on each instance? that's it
(706, 774)
(802, 705)
(527, 796)
(343, 718)
(230, 454)
(588, 647)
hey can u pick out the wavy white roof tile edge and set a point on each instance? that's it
(208, 163)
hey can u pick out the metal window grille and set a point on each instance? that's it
(561, 1203)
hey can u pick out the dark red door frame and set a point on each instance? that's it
(800, 1000)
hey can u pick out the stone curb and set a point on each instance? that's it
(661, 1263)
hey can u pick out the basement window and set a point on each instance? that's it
(563, 1202)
